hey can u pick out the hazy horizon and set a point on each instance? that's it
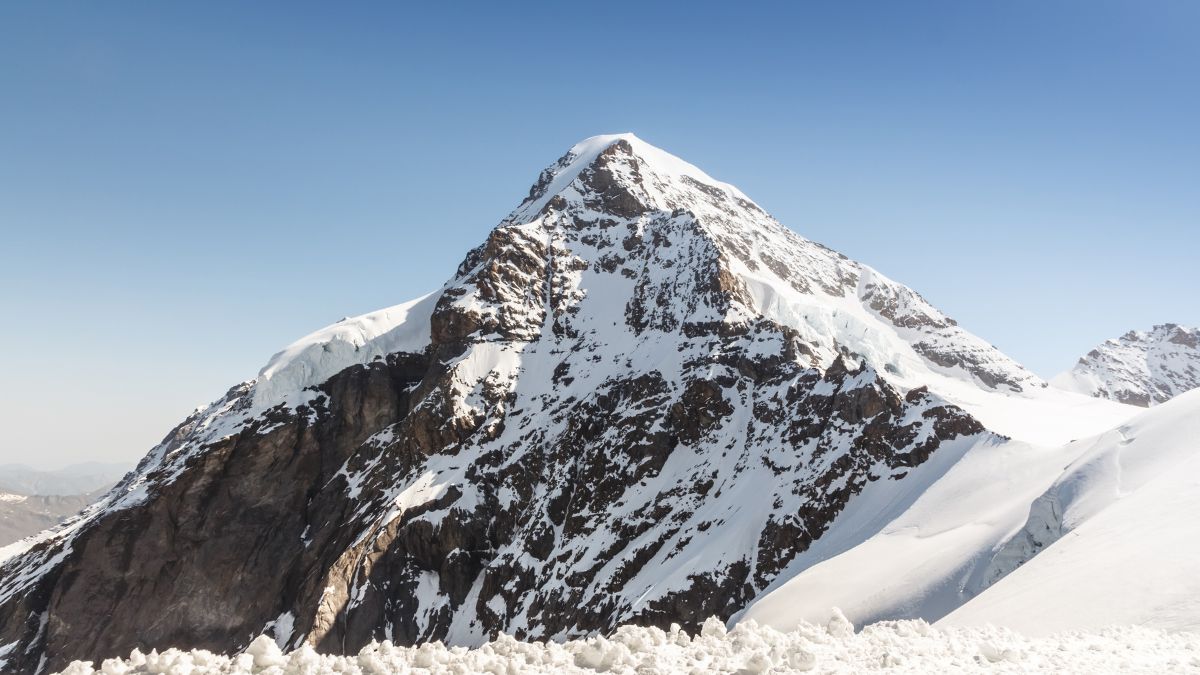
(187, 189)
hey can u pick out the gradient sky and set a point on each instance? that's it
(187, 187)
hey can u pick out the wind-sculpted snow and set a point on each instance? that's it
(748, 649)
(1142, 368)
(1113, 540)
(315, 358)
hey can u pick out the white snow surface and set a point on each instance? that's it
(1109, 539)
(748, 649)
(1129, 551)
(1141, 367)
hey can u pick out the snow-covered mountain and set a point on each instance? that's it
(1142, 368)
(640, 400)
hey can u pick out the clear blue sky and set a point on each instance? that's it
(187, 187)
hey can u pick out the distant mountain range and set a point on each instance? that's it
(32, 500)
(75, 479)
(23, 516)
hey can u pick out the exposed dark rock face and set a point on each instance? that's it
(606, 425)
(210, 553)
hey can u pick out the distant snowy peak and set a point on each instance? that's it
(1142, 368)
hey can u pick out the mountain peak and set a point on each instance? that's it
(627, 161)
(616, 217)
(658, 160)
(618, 202)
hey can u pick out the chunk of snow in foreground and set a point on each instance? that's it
(895, 646)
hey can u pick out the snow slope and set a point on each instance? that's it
(1141, 368)
(834, 647)
(1109, 539)
(1128, 540)
(904, 551)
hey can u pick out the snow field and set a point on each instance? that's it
(749, 648)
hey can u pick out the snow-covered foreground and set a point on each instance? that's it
(893, 646)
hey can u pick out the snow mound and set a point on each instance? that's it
(894, 646)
